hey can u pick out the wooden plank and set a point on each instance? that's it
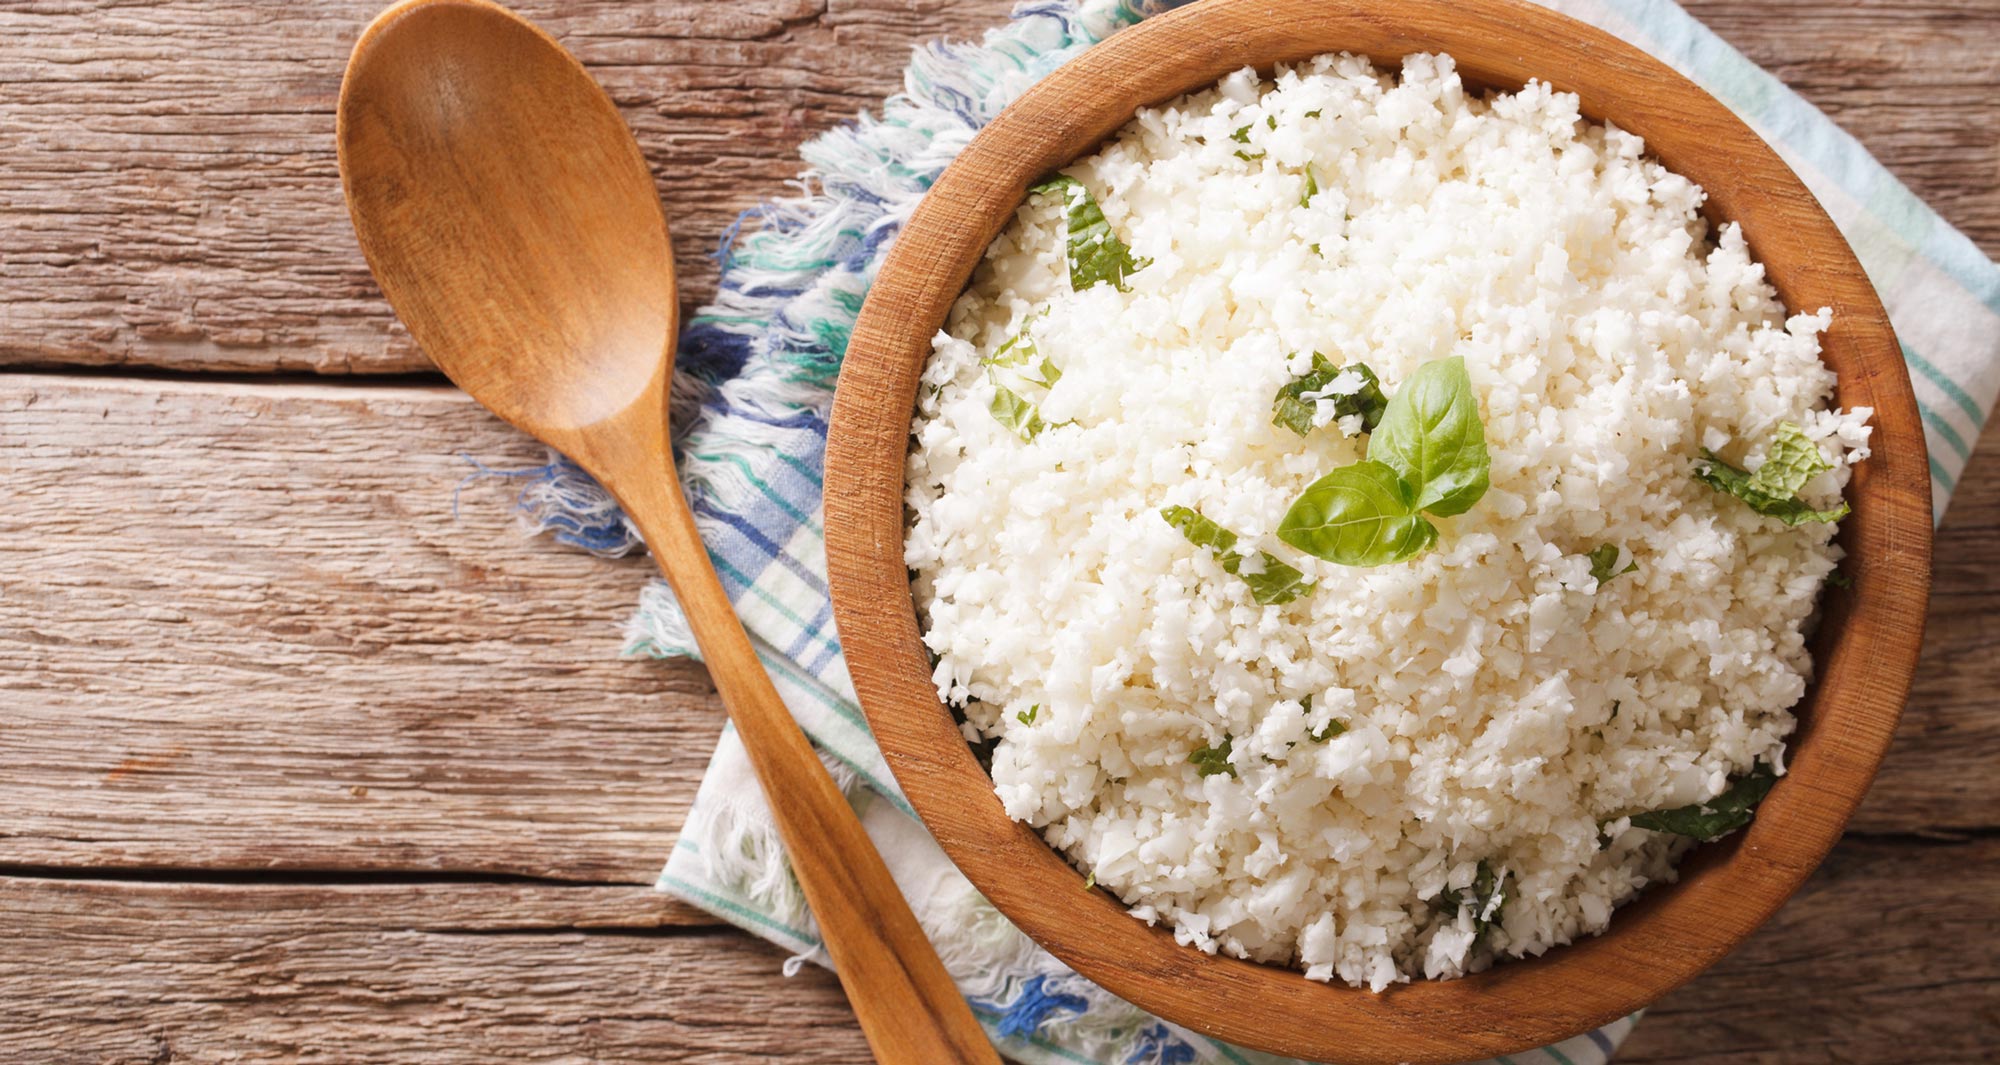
(1885, 956)
(241, 628)
(168, 194)
(479, 972)
(110, 972)
(168, 191)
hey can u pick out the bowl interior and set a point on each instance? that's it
(1865, 653)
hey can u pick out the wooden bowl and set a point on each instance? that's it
(1865, 653)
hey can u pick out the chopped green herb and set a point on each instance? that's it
(1326, 732)
(1603, 563)
(1488, 898)
(1270, 121)
(1432, 437)
(1792, 460)
(1090, 881)
(1311, 190)
(1275, 584)
(1485, 899)
(1839, 580)
(1719, 816)
(1314, 113)
(1292, 409)
(1019, 353)
(1014, 412)
(1096, 255)
(1208, 761)
(1427, 454)
(1028, 718)
(1242, 136)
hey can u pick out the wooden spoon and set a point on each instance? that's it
(513, 224)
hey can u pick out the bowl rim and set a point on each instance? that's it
(1865, 653)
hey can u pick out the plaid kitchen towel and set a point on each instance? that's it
(756, 385)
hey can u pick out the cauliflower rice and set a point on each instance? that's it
(1501, 706)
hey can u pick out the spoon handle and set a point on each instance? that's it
(908, 1006)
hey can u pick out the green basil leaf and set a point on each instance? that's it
(1723, 477)
(1432, 437)
(1293, 409)
(1719, 816)
(1275, 585)
(1096, 255)
(1603, 558)
(1208, 761)
(1014, 412)
(1359, 515)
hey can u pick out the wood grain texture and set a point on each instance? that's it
(1916, 82)
(241, 628)
(1864, 659)
(194, 220)
(297, 594)
(168, 194)
(117, 973)
(107, 973)
(1884, 958)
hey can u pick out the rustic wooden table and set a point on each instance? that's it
(304, 763)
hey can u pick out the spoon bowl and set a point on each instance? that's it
(578, 322)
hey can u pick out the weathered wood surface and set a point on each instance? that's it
(241, 627)
(241, 631)
(1884, 958)
(169, 196)
(122, 973)
(254, 626)
(110, 972)
(388, 688)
